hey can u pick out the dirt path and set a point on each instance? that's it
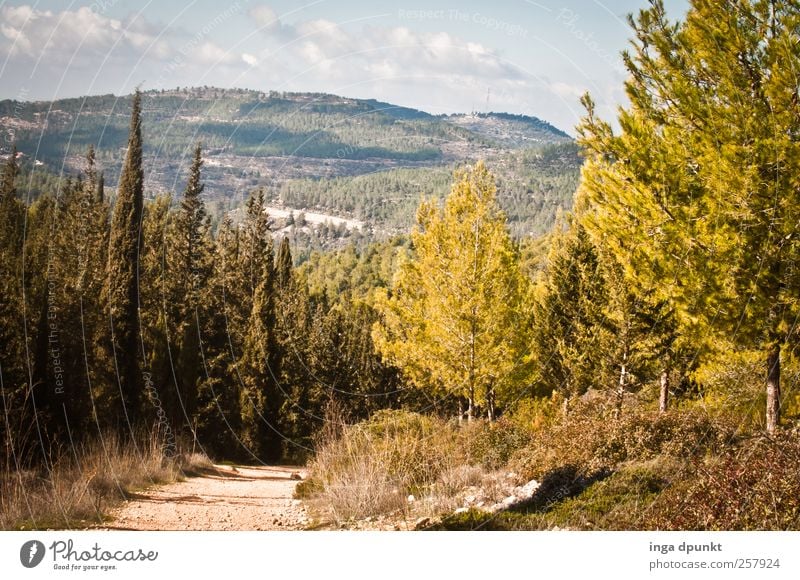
(223, 498)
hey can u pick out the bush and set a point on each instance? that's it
(373, 466)
(754, 487)
(593, 442)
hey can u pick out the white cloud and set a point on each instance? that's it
(327, 50)
(249, 59)
(209, 53)
(265, 17)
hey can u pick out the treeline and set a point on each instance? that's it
(534, 185)
(139, 317)
(239, 124)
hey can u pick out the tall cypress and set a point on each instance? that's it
(193, 271)
(122, 281)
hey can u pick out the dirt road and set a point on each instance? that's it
(223, 498)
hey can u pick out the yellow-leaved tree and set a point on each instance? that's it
(457, 320)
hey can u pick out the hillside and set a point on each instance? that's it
(361, 159)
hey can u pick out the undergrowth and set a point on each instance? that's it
(80, 485)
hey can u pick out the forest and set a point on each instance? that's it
(635, 359)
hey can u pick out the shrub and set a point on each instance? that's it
(592, 441)
(753, 487)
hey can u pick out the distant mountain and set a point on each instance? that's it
(287, 142)
(516, 131)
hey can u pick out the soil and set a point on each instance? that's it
(220, 498)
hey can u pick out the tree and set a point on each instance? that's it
(122, 282)
(697, 192)
(446, 322)
(190, 271)
(260, 395)
(572, 330)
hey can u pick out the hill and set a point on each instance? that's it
(355, 158)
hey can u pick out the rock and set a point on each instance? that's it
(527, 490)
(296, 476)
(461, 510)
(422, 522)
(411, 499)
(470, 499)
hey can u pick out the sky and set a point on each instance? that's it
(441, 56)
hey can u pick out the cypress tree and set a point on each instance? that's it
(122, 282)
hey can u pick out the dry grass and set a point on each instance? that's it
(77, 489)
(372, 468)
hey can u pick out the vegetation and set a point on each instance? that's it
(636, 366)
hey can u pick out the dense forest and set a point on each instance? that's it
(636, 358)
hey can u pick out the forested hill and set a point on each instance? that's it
(311, 151)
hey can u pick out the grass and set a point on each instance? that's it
(408, 466)
(78, 488)
(686, 469)
(606, 502)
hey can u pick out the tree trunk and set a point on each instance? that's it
(663, 399)
(490, 403)
(565, 405)
(623, 378)
(773, 388)
(471, 405)
(460, 410)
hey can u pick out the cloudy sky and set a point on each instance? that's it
(441, 56)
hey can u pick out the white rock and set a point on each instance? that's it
(411, 499)
(461, 510)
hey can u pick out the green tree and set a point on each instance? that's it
(572, 330)
(448, 320)
(260, 396)
(188, 283)
(122, 283)
(695, 193)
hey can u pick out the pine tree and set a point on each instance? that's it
(446, 322)
(572, 330)
(122, 283)
(259, 395)
(218, 417)
(694, 193)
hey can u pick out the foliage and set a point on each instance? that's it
(753, 487)
(593, 441)
(691, 195)
(445, 322)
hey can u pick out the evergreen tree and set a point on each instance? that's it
(122, 284)
(446, 321)
(260, 396)
(572, 330)
(190, 271)
(218, 417)
(693, 194)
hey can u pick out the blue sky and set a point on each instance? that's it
(442, 56)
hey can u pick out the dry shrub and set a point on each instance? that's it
(371, 468)
(753, 487)
(592, 442)
(75, 489)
